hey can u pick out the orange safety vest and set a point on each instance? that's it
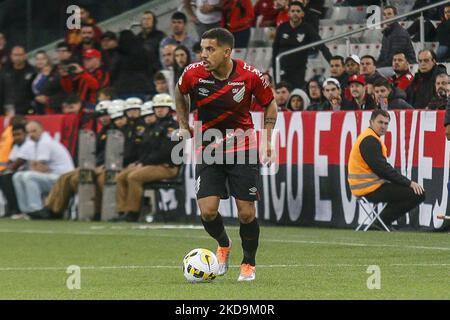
(361, 178)
(6, 144)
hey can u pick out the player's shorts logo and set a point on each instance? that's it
(253, 191)
(239, 96)
(197, 185)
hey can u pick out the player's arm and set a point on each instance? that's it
(182, 106)
(270, 118)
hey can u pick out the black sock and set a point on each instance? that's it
(249, 235)
(216, 229)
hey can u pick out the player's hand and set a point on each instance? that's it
(268, 154)
(417, 188)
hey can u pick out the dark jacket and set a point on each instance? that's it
(150, 42)
(370, 149)
(447, 113)
(421, 90)
(397, 100)
(158, 142)
(133, 74)
(437, 103)
(443, 33)
(101, 145)
(15, 89)
(395, 38)
(369, 104)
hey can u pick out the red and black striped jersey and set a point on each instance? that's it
(225, 104)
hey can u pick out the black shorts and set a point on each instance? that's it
(242, 181)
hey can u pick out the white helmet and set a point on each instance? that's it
(119, 101)
(147, 109)
(133, 103)
(115, 110)
(102, 107)
(163, 100)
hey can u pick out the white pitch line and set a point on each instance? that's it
(426, 265)
(334, 243)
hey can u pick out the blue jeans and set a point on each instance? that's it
(30, 186)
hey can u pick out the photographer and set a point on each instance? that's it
(85, 82)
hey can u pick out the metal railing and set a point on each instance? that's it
(349, 33)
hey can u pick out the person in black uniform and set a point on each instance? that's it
(293, 34)
(154, 161)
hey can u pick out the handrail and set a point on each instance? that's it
(349, 33)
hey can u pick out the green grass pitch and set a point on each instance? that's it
(143, 261)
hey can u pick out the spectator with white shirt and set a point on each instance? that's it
(14, 164)
(47, 160)
(206, 15)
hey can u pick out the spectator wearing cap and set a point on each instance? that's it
(85, 82)
(402, 77)
(352, 65)
(110, 54)
(442, 90)
(88, 41)
(179, 34)
(370, 72)
(395, 38)
(337, 70)
(207, 14)
(293, 34)
(421, 90)
(361, 100)
(332, 93)
(148, 114)
(16, 80)
(388, 97)
(74, 36)
(133, 75)
(150, 38)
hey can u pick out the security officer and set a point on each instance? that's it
(371, 176)
(155, 164)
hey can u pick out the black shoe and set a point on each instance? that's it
(132, 217)
(41, 214)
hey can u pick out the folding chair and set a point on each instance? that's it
(372, 211)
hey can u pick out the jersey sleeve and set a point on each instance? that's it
(262, 91)
(185, 82)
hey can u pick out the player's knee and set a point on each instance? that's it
(208, 214)
(247, 216)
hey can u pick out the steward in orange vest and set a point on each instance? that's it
(371, 176)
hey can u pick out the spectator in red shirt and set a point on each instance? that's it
(282, 6)
(265, 9)
(402, 77)
(85, 81)
(237, 17)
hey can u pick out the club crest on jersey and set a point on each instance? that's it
(203, 92)
(300, 37)
(239, 95)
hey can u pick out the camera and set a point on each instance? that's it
(68, 66)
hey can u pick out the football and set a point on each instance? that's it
(200, 265)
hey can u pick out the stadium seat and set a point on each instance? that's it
(372, 36)
(357, 14)
(373, 211)
(239, 53)
(339, 13)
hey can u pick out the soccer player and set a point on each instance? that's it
(222, 88)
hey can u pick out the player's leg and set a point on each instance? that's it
(249, 232)
(210, 188)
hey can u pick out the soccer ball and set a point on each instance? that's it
(200, 265)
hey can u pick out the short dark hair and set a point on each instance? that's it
(368, 56)
(19, 126)
(283, 84)
(382, 83)
(179, 16)
(63, 44)
(108, 91)
(397, 52)
(155, 19)
(377, 112)
(159, 76)
(297, 3)
(391, 7)
(223, 36)
(341, 58)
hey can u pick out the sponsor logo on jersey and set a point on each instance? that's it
(300, 37)
(239, 96)
(235, 83)
(206, 81)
